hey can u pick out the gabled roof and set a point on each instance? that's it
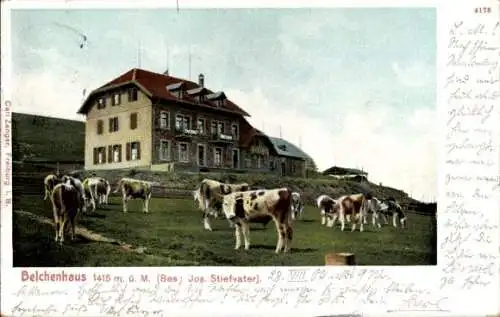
(154, 85)
(174, 87)
(216, 96)
(197, 91)
(336, 170)
(285, 148)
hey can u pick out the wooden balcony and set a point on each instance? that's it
(185, 134)
(222, 138)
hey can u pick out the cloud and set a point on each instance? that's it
(404, 159)
(414, 74)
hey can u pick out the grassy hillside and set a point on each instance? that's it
(172, 235)
(47, 139)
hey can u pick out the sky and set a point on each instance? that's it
(354, 87)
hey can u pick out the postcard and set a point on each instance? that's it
(299, 158)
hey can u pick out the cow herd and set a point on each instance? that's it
(238, 203)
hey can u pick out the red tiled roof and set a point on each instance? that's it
(155, 85)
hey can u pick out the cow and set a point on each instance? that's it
(96, 188)
(297, 206)
(241, 207)
(135, 188)
(66, 201)
(326, 204)
(49, 183)
(390, 207)
(357, 206)
(75, 182)
(103, 191)
(209, 197)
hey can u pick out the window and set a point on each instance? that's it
(100, 126)
(99, 155)
(164, 120)
(177, 93)
(117, 153)
(183, 152)
(201, 126)
(220, 127)
(220, 102)
(133, 151)
(234, 130)
(214, 127)
(116, 99)
(271, 165)
(133, 121)
(101, 103)
(164, 150)
(218, 156)
(182, 122)
(113, 124)
(248, 163)
(259, 161)
(132, 94)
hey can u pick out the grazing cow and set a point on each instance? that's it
(241, 207)
(297, 206)
(75, 182)
(134, 188)
(49, 183)
(96, 188)
(103, 191)
(327, 206)
(389, 207)
(66, 201)
(209, 196)
(356, 206)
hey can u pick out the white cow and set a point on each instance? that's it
(297, 206)
(241, 207)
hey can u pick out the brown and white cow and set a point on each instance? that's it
(241, 207)
(66, 200)
(209, 196)
(356, 206)
(135, 189)
(49, 183)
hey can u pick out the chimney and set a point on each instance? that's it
(201, 80)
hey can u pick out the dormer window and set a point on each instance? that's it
(176, 89)
(198, 94)
(282, 147)
(101, 103)
(218, 98)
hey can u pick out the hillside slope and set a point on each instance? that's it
(41, 138)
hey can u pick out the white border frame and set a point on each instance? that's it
(367, 283)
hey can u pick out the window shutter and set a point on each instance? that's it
(133, 121)
(127, 152)
(110, 153)
(110, 125)
(95, 156)
(117, 125)
(99, 127)
(138, 150)
(119, 153)
(104, 154)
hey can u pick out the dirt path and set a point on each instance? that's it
(88, 234)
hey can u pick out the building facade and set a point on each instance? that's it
(146, 120)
